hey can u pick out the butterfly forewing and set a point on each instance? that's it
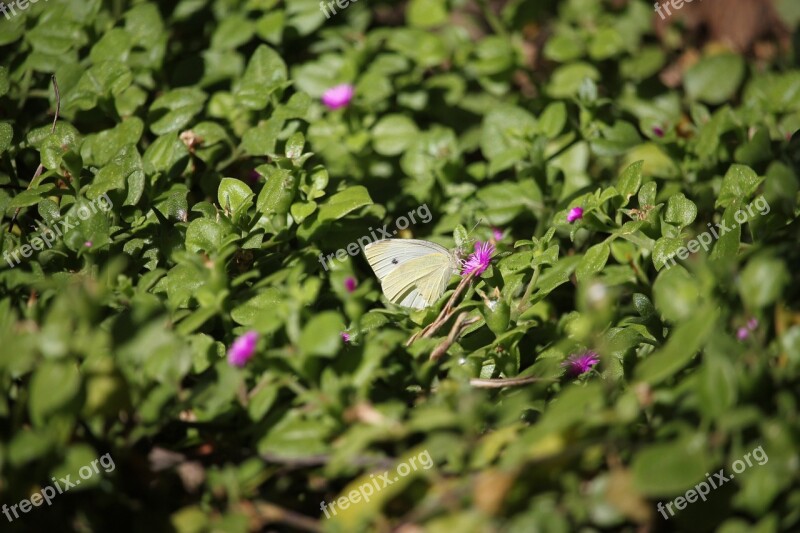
(413, 273)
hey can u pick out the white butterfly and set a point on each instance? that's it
(413, 273)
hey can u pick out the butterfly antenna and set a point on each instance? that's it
(478, 223)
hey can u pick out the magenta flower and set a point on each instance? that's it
(253, 176)
(346, 337)
(744, 332)
(242, 349)
(576, 213)
(88, 244)
(338, 96)
(581, 363)
(350, 284)
(479, 261)
(658, 131)
(497, 233)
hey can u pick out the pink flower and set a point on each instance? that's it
(479, 261)
(658, 131)
(744, 332)
(350, 284)
(88, 244)
(581, 363)
(576, 213)
(242, 349)
(497, 233)
(338, 96)
(346, 337)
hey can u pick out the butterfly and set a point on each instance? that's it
(413, 273)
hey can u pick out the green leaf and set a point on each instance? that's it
(113, 46)
(763, 281)
(727, 246)
(426, 13)
(393, 134)
(606, 43)
(278, 193)
(270, 301)
(665, 252)
(98, 149)
(234, 31)
(261, 402)
(714, 79)
(630, 180)
(553, 119)
(174, 110)
(100, 82)
(56, 36)
(52, 146)
(125, 170)
(670, 468)
(503, 201)
(505, 128)
(342, 203)
(683, 343)
(263, 139)
(647, 194)
(204, 234)
(321, 336)
(567, 80)
(740, 183)
(167, 155)
(53, 386)
(4, 81)
(593, 261)
(6, 136)
(234, 196)
(680, 211)
(31, 196)
(266, 72)
(295, 145)
(295, 437)
(270, 26)
(676, 294)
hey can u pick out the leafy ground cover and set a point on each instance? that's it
(192, 342)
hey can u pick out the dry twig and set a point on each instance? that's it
(447, 313)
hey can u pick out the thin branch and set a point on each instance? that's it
(500, 383)
(445, 315)
(525, 302)
(458, 328)
(271, 513)
(40, 168)
(323, 459)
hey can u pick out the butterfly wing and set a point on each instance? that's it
(413, 273)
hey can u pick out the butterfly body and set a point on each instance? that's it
(412, 272)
